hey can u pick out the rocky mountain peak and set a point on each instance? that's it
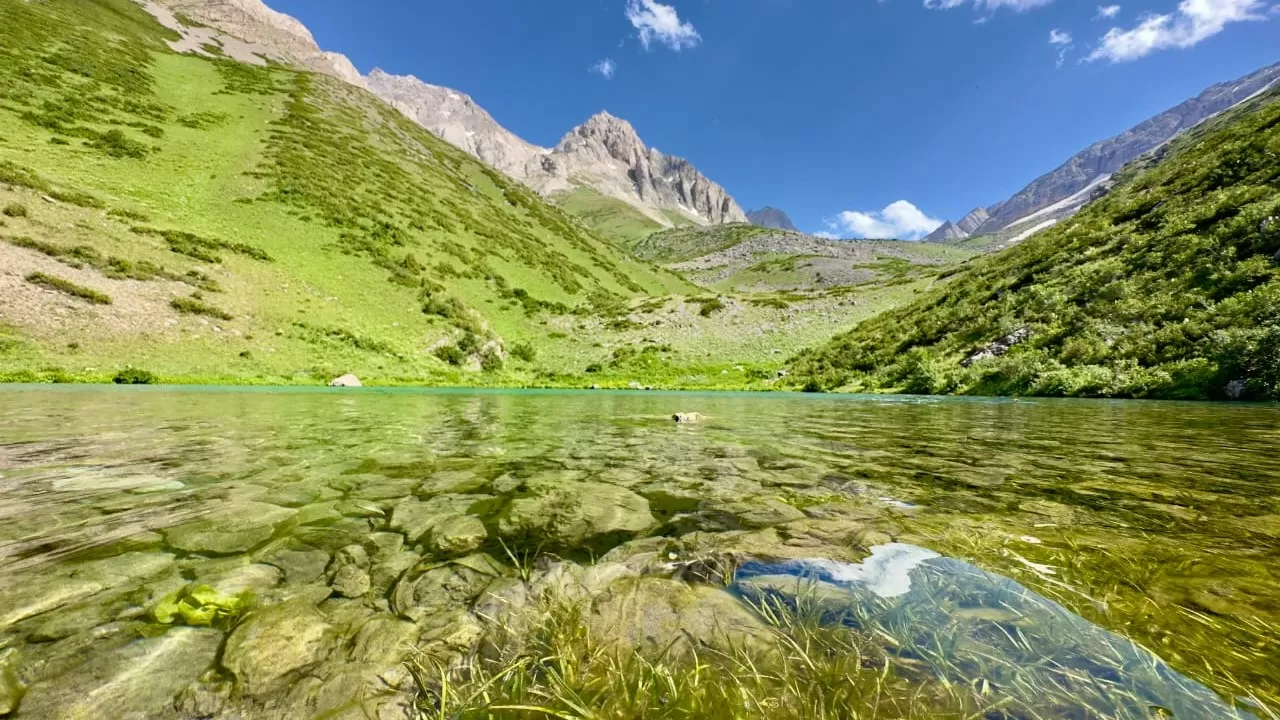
(770, 217)
(604, 132)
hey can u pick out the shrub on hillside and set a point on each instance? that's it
(192, 306)
(134, 376)
(15, 210)
(67, 287)
(525, 352)
(451, 354)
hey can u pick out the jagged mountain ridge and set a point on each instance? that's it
(603, 153)
(770, 217)
(1063, 191)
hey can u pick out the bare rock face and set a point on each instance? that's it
(253, 21)
(607, 153)
(772, 218)
(457, 119)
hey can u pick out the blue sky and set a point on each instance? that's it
(832, 110)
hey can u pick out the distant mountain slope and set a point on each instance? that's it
(603, 153)
(1169, 287)
(770, 217)
(205, 218)
(1060, 193)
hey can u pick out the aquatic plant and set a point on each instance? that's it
(202, 606)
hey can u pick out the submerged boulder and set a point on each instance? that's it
(574, 514)
(237, 527)
(272, 644)
(136, 681)
(689, 417)
(430, 589)
(349, 572)
(10, 687)
(657, 615)
(457, 534)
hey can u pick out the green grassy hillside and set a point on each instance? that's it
(688, 242)
(609, 217)
(262, 223)
(1169, 287)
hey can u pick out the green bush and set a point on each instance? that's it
(192, 306)
(524, 352)
(709, 306)
(490, 362)
(594, 368)
(118, 145)
(69, 288)
(134, 376)
(451, 354)
(15, 210)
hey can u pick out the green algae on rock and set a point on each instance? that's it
(202, 606)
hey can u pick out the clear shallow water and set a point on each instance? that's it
(1159, 523)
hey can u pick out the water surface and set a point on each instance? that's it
(1156, 523)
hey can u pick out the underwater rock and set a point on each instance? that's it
(415, 518)
(457, 534)
(255, 578)
(11, 688)
(21, 598)
(452, 481)
(137, 681)
(349, 572)
(271, 644)
(575, 515)
(656, 615)
(300, 563)
(433, 589)
(762, 512)
(318, 514)
(237, 527)
(347, 380)
(689, 417)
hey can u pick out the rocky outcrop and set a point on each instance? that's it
(456, 118)
(345, 381)
(253, 21)
(606, 153)
(1060, 193)
(998, 348)
(974, 220)
(770, 217)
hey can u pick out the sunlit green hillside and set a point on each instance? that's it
(1167, 287)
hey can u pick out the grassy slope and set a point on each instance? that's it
(1167, 287)
(685, 243)
(363, 216)
(611, 218)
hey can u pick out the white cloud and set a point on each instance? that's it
(900, 220)
(605, 69)
(1062, 40)
(826, 235)
(659, 22)
(1192, 22)
(1106, 12)
(988, 5)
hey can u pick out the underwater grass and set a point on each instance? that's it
(553, 666)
